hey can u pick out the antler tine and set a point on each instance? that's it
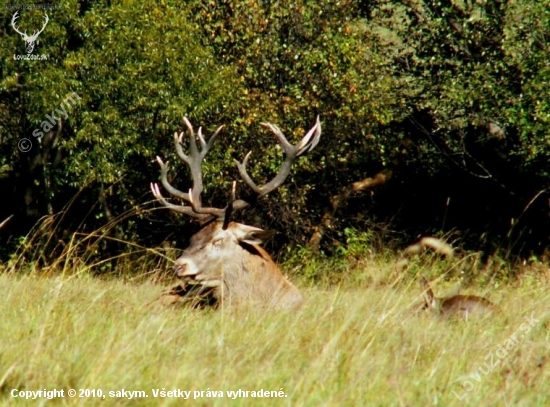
(244, 174)
(194, 161)
(212, 138)
(178, 143)
(229, 208)
(308, 143)
(311, 139)
(166, 184)
(280, 136)
(187, 210)
(201, 139)
(193, 151)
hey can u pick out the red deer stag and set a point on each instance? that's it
(224, 260)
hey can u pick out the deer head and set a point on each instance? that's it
(224, 257)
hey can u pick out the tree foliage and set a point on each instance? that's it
(481, 116)
(452, 96)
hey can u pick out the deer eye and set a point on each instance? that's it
(217, 242)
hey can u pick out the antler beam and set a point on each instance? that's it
(308, 143)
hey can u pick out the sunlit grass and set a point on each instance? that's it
(347, 346)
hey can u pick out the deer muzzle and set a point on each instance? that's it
(185, 269)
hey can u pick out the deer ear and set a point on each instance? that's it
(428, 293)
(259, 237)
(252, 235)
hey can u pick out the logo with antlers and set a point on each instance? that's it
(29, 39)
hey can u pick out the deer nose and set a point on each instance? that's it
(180, 269)
(184, 268)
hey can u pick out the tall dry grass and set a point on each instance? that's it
(355, 341)
(347, 346)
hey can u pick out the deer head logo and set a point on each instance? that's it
(29, 39)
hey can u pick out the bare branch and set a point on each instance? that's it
(337, 200)
(5, 221)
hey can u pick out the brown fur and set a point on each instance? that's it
(457, 305)
(236, 269)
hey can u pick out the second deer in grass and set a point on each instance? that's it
(457, 305)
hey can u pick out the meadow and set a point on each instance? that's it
(352, 343)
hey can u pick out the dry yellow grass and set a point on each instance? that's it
(346, 347)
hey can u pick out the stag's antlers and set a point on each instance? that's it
(308, 143)
(194, 161)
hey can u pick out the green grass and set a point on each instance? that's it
(346, 346)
